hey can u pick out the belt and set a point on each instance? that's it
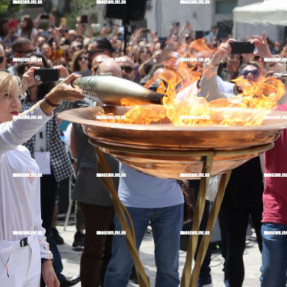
(24, 242)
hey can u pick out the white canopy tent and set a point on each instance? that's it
(267, 12)
(269, 16)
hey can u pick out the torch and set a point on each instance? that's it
(110, 90)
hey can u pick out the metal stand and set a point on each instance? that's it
(189, 276)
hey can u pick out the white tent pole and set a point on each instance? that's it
(234, 30)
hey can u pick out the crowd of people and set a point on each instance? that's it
(35, 146)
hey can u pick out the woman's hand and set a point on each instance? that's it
(62, 92)
(49, 274)
(65, 92)
(223, 50)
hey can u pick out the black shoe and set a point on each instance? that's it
(70, 281)
(79, 241)
(58, 239)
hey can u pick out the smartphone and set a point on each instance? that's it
(242, 47)
(46, 75)
(45, 34)
(44, 16)
(13, 23)
(84, 19)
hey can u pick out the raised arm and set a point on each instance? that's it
(18, 131)
(208, 82)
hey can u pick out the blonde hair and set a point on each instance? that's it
(9, 83)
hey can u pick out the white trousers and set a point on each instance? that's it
(21, 266)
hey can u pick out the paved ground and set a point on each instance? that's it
(252, 260)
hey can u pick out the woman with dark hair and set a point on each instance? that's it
(38, 61)
(144, 55)
(27, 28)
(80, 63)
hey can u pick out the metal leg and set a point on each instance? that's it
(70, 205)
(198, 213)
(188, 279)
(210, 224)
(122, 213)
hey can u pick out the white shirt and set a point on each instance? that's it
(20, 211)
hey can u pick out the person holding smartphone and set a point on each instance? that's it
(23, 246)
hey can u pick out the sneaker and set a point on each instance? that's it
(58, 239)
(79, 240)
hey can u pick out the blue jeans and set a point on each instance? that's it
(274, 256)
(166, 225)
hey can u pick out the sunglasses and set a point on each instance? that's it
(91, 53)
(25, 52)
(78, 47)
(145, 52)
(255, 73)
(1, 59)
(83, 58)
(127, 69)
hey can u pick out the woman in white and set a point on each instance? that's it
(24, 252)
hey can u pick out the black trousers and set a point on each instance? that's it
(236, 219)
(97, 251)
(48, 199)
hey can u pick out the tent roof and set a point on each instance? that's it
(267, 12)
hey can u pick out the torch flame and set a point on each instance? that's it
(183, 105)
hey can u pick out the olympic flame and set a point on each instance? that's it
(183, 105)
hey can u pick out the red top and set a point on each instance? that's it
(275, 192)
